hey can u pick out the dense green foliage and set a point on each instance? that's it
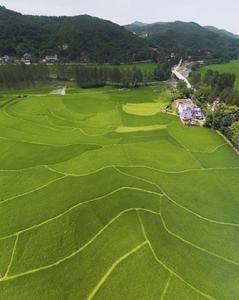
(223, 32)
(231, 67)
(124, 77)
(212, 86)
(235, 133)
(18, 76)
(100, 203)
(81, 38)
(162, 72)
(225, 119)
(131, 75)
(94, 77)
(188, 40)
(125, 74)
(183, 90)
(67, 71)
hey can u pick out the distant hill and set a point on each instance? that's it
(188, 39)
(138, 24)
(80, 38)
(222, 32)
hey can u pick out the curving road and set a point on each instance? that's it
(178, 72)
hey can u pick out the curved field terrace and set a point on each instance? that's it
(104, 197)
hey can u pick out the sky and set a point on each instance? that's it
(219, 13)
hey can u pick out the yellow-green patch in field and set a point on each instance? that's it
(125, 129)
(142, 109)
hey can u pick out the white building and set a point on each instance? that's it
(187, 110)
(51, 58)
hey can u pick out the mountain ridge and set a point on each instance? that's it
(84, 38)
(222, 31)
(188, 40)
(79, 38)
(208, 27)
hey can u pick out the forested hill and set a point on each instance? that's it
(188, 39)
(89, 39)
(222, 32)
(83, 38)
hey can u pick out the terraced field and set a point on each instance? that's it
(102, 203)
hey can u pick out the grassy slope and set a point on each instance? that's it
(232, 67)
(89, 212)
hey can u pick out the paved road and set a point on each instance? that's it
(181, 72)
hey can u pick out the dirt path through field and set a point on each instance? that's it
(59, 92)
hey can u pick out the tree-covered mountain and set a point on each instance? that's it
(188, 39)
(90, 39)
(138, 23)
(79, 38)
(222, 32)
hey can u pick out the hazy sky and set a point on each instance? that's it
(220, 13)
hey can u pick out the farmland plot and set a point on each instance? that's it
(97, 202)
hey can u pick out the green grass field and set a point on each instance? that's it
(105, 197)
(232, 67)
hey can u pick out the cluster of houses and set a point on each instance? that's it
(27, 59)
(188, 111)
(5, 59)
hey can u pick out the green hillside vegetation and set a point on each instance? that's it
(20, 76)
(81, 38)
(223, 32)
(213, 85)
(97, 202)
(231, 67)
(188, 39)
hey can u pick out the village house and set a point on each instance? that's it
(51, 59)
(188, 111)
(197, 113)
(26, 59)
(5, 59)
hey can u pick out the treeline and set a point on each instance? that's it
(214, 86)
(100, 76)
(225, 119)
(163, 71)
(124, 77)
(21, 76)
